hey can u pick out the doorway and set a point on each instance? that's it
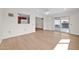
(61, 24)
(39, 23)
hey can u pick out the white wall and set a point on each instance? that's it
(1, 24)
(48, 23)
(74, 22)
(10, 26)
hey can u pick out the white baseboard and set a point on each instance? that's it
(6, 37)
(75, 33)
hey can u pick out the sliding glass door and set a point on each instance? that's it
(57, 25)
(65, 25)
(62, 24)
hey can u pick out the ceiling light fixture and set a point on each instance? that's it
(47, 12)
(65, 9)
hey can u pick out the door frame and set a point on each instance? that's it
(42, 22)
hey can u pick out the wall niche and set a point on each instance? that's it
(23, 18)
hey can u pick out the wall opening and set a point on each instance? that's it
(39, 23)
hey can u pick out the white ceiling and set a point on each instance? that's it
(51, 11)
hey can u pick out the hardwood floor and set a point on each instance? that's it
(40, 40)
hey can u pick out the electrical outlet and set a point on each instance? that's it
(24, 29)
(9, 31)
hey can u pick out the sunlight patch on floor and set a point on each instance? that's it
(63, 44)
(63, 41)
